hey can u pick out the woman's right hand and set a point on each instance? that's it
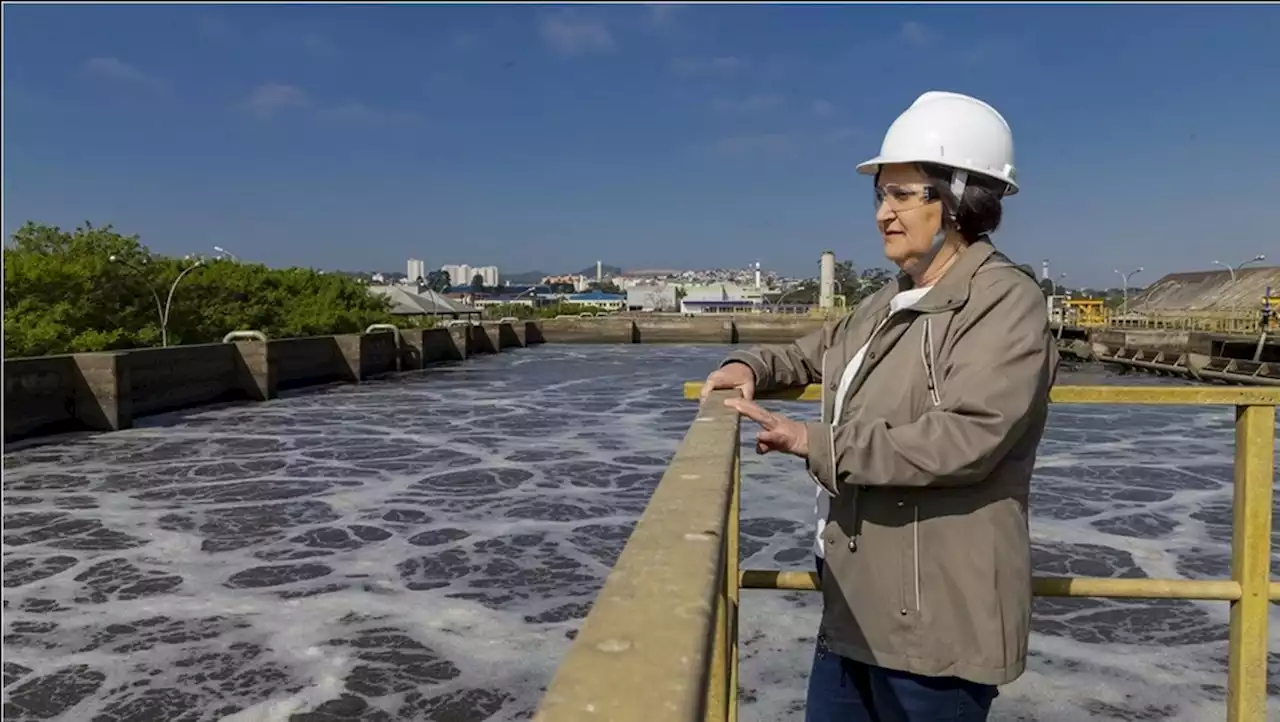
(734, 375)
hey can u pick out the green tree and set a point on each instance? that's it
(439, 281)
(64, 295)
(516, 310)
(477, 284)
(855, 286)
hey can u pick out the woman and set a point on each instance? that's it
(934, 399)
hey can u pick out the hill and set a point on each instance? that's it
(524, 277)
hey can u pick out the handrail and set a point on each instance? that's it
(661, 639)
(1124, 395)
(244, 336)
(1249, 590)
(382, 328)
(642, 654)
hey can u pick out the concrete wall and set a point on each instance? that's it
(39, 393)
(1154, 340)
(105, 391)
(679, 329)
(162, 379)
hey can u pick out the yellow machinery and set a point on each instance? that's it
(1086, 312)
(661, 640)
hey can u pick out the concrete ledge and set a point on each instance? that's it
(708, 329)
(106, 391)
(648, 650)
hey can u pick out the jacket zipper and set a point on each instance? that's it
(928, 357)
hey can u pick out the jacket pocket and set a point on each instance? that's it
(929, 357)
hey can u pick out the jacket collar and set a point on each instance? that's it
(952, 290)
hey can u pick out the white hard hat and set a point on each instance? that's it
(952, 130)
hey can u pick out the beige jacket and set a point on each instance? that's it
(928, 560)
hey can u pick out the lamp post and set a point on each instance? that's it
(161, 310)
(1232, 269)
(1126, 277)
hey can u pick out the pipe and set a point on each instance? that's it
(827, 281)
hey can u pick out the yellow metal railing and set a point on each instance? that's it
(661, 639)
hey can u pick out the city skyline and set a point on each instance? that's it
(654, 136)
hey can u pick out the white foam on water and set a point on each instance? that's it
(424, 547)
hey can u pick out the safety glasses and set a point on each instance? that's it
(904, 198)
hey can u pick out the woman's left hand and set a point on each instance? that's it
(777, 432)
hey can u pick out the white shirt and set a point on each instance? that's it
(900, 302)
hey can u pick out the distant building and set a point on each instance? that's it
(652, 297)
(721, 298)
(579, 282)
(461, 274)
(416, 269)
(599, 300)
(424, 302)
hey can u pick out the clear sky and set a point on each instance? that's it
(545, 137)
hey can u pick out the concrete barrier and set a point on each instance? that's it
(684, 329)
(588, 330)
(533, 334)
(423, 347)
(480, 341)
(309, 361)
(39, 394)
(709, 329)
(785, 330)
(163, 379)
(506, 335)
(1216, 345)
(106, 391)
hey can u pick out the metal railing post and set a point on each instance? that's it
(1251, 563)
(717, 679)
(732, 560)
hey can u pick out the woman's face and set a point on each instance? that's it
(907, 214)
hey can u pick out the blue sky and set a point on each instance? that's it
(548, 137)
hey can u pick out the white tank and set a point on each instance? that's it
(827, 281)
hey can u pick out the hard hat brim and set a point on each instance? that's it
(871, 167)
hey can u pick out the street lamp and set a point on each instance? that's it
(1126, 277)
(225, 252)
(161, 310)
(1232, 269)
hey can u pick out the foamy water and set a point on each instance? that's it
(423, 548)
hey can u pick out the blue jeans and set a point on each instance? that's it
(842, 690)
